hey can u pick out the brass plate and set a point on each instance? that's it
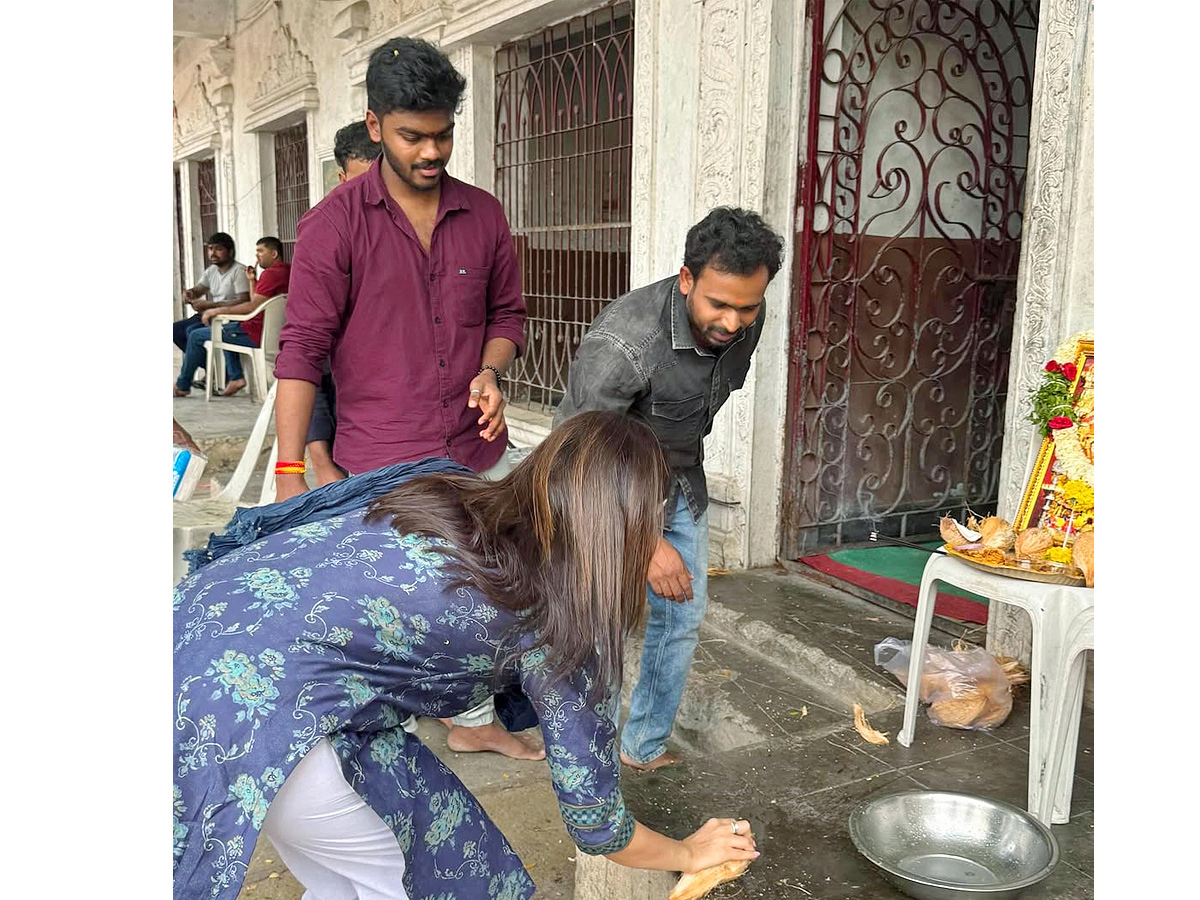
(1013, 571)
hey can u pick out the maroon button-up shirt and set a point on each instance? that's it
(403, 330)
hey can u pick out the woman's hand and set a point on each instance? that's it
(714, 842)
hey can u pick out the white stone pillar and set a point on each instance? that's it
(176, 287)
(475, 125)
(707, 109)
(227, 207)
(193, 241)
(1054, 282)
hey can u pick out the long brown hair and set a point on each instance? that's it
(565, 539)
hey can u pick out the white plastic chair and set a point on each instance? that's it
(1062, 628)
(272, 312)
(196, 519)
(1062, 741)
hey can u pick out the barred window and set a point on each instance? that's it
(564, 137)
(206, 187)
(291, 183)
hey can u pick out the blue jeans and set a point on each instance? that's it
(194, 356)
(672, 631)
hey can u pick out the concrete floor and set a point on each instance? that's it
(780, 751)
(767, 734)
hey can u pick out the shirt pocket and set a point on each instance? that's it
(678, 423)
(466, 289)
(678, 411)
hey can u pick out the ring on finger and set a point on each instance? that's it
(734, 826)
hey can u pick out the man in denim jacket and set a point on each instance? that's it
(670, 353)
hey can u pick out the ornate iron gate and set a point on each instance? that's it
(911, 189)
(564, 138)
(291, 183)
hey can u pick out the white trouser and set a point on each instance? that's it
(330, 840)
(485, 712)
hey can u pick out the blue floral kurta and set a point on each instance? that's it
(343, 629)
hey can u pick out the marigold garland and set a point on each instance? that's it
(1079, 495)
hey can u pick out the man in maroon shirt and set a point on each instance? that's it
(405, 279)
(272, 282)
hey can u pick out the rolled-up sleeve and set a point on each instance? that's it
(581, 747)
(505, 303)
(318, 293)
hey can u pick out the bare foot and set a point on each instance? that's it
(233, 387)
(492, 736)
(666, 758)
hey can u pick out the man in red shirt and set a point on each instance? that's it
(406, 280)
(273, 281)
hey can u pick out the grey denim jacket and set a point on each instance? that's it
(640, 357)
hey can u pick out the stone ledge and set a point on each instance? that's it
(805, 662)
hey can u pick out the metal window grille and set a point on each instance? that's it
(564, 138)
(206, 186)
(183, 281)
(291, 183)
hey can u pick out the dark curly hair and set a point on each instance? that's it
(221, 239)
(353, 141)
(414, 75)
(732, 240)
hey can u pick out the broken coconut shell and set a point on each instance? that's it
(693, 885)
(958, 712)
(955, 534)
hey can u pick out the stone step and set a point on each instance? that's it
(779, 655)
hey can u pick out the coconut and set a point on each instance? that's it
(996, 532)
(954, 533)
(1082, 554)
(1032, 543)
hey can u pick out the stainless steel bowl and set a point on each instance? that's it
(944, 845)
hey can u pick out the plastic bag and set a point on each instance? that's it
(965, 687)
(185, 471)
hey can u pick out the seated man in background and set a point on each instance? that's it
(354, 151)
(272, 282)
(222, 284)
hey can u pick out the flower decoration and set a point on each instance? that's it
(1055, 413)
(1079, 495)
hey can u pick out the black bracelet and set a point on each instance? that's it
(483, 369)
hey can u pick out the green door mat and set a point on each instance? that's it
(895, 572)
